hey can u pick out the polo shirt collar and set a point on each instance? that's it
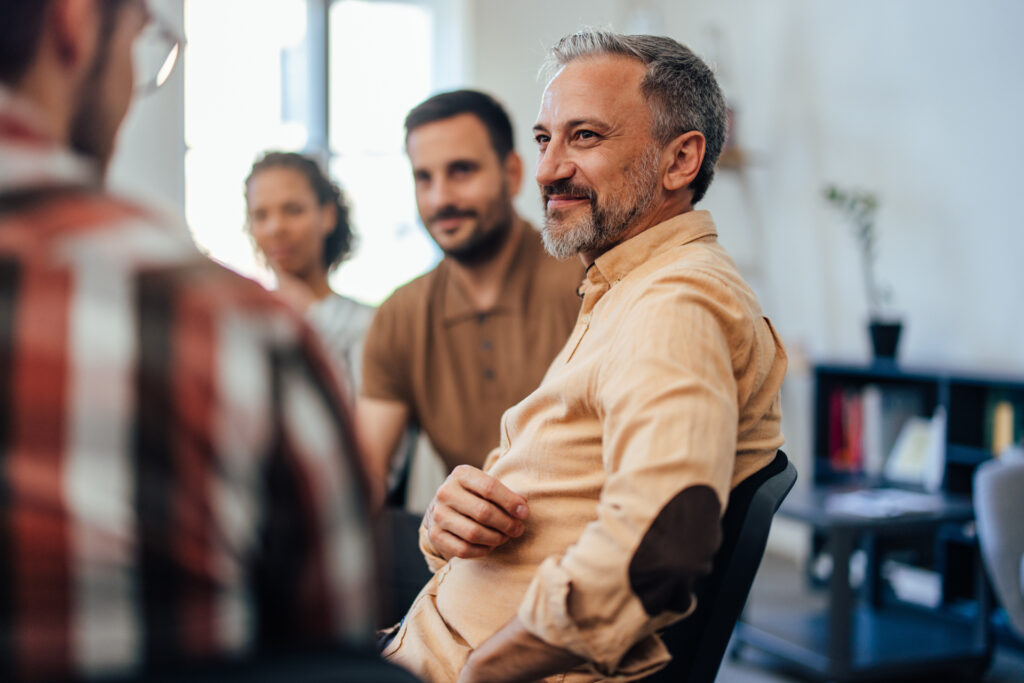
(457, 304)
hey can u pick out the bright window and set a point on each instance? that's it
(373, 84)
(255, 80)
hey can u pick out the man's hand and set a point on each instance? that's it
(473, 513)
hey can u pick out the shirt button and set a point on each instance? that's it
(486, 345)
(488, 374)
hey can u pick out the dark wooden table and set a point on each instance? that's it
(860, 638)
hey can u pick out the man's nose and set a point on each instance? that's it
(553, 166)
(440, 194)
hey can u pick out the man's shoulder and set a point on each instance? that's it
(414, 294)
(700, 273)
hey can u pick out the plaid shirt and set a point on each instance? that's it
(177, 475)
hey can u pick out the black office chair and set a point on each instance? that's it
(407, 571)
(698, 642)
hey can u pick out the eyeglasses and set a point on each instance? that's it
(154, 53)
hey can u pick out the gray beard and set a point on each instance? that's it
(604, 225)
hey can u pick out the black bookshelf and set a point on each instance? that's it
(969, 400)
(877, 628)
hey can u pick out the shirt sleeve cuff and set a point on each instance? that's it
(621, 651)
(430, 554)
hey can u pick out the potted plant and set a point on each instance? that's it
(859, 207)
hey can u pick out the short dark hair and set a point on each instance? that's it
(340, 241)
(20, 33)
(680, 88)
(481, 105)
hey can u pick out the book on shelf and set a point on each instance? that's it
(864, 423)
(918, 456)
(1004, 422)
(872, 418)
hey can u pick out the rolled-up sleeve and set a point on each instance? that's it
(669, 430)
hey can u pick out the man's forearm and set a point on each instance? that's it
(513, 654)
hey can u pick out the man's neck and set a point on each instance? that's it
(49, 100)
(482, 282)
(658, 216)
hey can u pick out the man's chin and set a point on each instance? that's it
(562, 239)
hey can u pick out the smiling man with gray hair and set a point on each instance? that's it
(582, 536)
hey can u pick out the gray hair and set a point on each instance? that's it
(680, 89)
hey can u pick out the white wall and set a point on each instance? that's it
(916, 101)
(150, 159)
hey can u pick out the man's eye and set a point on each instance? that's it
(542, 139)
(586, 135)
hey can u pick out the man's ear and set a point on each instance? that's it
(513, 172)
(74, 25)
(685, 155)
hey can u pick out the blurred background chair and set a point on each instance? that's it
(999, 511)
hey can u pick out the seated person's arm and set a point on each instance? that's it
(384, 406)
(669, 440)
(380, 425)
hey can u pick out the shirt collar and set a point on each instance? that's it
(31, 157)
(616, 263)
(457, 304)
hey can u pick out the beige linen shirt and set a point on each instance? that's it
(665, 396)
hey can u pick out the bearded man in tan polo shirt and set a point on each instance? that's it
(584, 533)
(454, 348)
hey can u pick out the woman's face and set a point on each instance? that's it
(287, 223)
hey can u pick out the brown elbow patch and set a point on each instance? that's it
(677, 549)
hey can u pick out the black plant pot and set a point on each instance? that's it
(885, 337)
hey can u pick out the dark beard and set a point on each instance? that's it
(484, 246)
(86, 133)
(493, 230)
(88, 136)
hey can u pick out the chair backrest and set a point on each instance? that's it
(998, 489)
(698, 643)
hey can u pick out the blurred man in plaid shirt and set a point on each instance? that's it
(178, 480)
